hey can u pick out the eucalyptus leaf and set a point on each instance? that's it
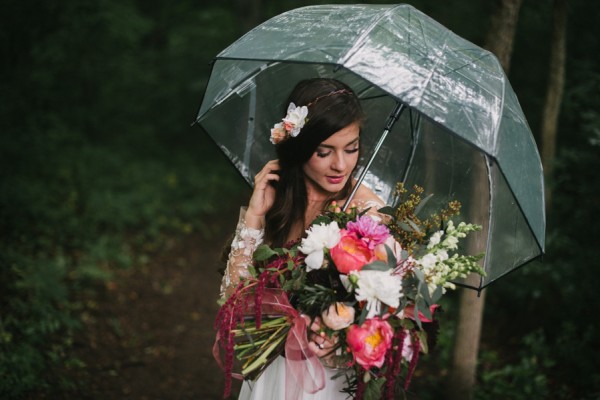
(419, 274)
(422, 204)
(414, 226)
(387, 210)
(437, 294)
(376, 266)
(363, 316)
(391, 258)
(405, 226)
(424, 290)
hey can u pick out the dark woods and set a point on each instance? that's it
(100, 169)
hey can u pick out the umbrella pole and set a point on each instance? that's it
(388, 127)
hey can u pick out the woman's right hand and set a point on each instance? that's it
(263, 195)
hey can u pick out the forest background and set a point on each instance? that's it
(110, 202)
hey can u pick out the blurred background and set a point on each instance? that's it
(114, 211)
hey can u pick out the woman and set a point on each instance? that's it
(317, 146)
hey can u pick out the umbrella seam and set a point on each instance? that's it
(361, 39)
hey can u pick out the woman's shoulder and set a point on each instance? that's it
(365, 198)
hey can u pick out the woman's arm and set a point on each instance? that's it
(250, 229)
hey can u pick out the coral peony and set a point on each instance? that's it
(370, 341)
(351, 253)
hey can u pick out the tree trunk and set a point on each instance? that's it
(461, 383)
(554, 93)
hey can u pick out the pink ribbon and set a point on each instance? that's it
(303, 369)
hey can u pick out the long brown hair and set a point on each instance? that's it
(332, 106)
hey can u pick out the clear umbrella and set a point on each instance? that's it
(460, 133)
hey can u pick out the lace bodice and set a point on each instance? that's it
(247, 240)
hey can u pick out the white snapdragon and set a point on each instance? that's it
(435, 239)
(319, 237)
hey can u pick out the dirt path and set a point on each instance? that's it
(150, 334)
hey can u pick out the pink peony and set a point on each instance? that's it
(370, 341)
(369, 230)
(351, 253)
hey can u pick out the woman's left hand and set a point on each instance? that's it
(318, 342)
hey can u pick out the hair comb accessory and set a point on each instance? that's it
(291, 125)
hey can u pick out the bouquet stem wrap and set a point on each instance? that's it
(303, 369)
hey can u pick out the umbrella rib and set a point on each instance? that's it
(388, 127)
(361, 39)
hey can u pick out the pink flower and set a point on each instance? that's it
(370, 341)
(351, 253)
(338, 316)
(369, 230)
(409, 312)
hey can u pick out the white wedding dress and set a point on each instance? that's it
(271, 385)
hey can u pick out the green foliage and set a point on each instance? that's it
(526, 378)
(98, 161)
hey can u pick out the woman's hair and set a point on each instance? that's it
(332, 106)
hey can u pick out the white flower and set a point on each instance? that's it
(377, 287)
(441, 255)
(318, 239)
(435, 239)
(451, 242)
(428, 260)
(296, 118)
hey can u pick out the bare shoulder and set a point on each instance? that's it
(366, 198)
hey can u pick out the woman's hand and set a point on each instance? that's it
(263, 195)
(318, 342)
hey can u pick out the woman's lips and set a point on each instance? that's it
(335, 179)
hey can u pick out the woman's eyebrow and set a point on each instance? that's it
(327, 146)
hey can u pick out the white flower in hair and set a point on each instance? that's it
(295, 119)
(291, 125)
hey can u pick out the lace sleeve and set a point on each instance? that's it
(245, 241)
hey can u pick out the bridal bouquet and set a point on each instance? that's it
(372, 279)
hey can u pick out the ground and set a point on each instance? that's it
(149, 333)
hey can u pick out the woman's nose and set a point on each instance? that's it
(338, 162)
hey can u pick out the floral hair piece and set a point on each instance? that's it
(291, 125)
(295, 119)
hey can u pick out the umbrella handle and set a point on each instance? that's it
(394, 116)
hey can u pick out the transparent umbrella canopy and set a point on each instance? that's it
(462, 135)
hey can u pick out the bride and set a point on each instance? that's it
(317, 147)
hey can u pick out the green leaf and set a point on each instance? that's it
(414, 226)
(437, 294)
(422, 204)
(391, 257)
(374, 389)
(264, 252)
(363, 315)
(387, 210)
(422, 335)
(376, 266)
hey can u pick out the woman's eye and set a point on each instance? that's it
(323, 154)
(352, 150)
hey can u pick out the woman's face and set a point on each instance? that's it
(329, 168)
